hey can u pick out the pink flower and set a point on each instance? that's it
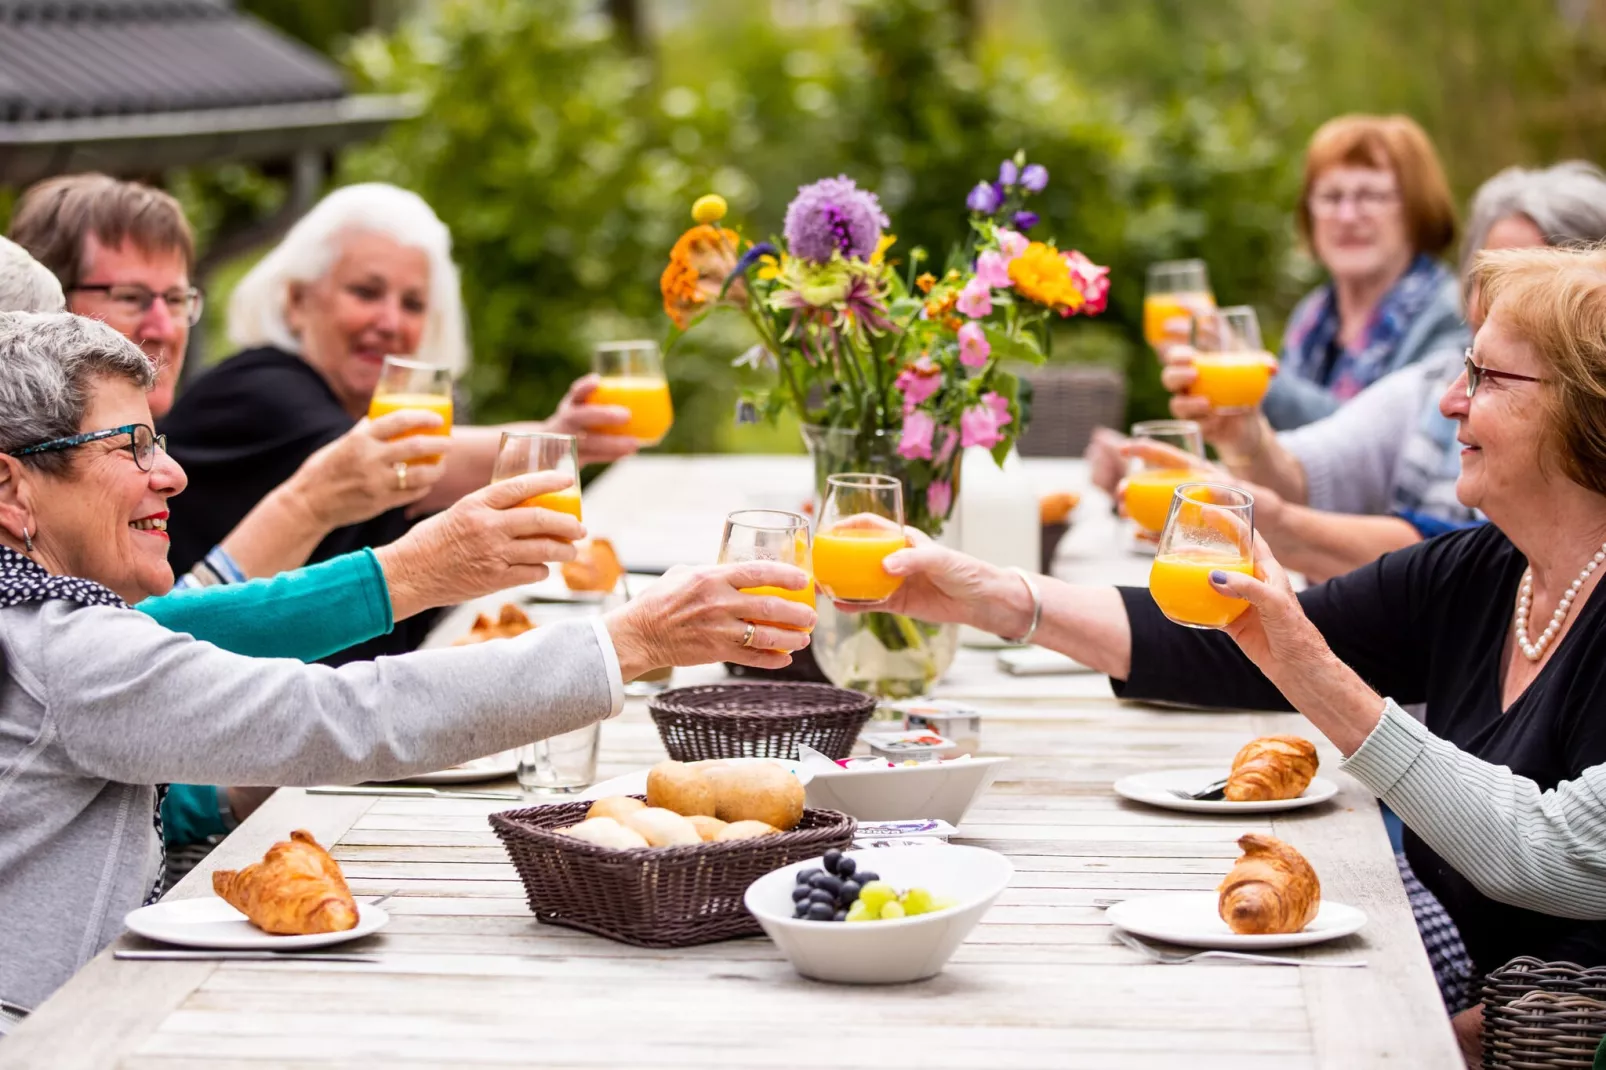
(1092, 279)
(993, 268)
(939, 496)
(976, 299)
(918, 382)
(916, 439)
(974, 349)
(980, 424)
(945, 452)
(1010, 243)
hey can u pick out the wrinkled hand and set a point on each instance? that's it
(1273, 632)
(1163, 455)
(945, 586)
(589, 424)
(1106, 463)
(1238, 433)
(487, 541)
(353, 478)
(694, 616)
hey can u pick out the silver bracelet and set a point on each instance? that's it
(1037, 604)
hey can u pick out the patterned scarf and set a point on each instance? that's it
(1314, 325)
(22, 582)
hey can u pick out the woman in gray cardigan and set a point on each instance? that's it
(92, 694)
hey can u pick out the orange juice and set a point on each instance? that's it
(1232, 381)
(1180, 584)
(1166, 317)
(647, 400)
(566, 500)
(1149, 493)
(847, 562)
(803, 594)
(385, 404)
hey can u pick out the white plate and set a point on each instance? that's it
(636, 783)
(945, 790)
(1151, 788)
(211, 923)
(1191, 919)
(491, 767)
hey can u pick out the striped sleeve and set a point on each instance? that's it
(1541, 850)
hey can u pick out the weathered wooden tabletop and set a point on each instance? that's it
(468, 977)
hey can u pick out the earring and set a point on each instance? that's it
(27, 540)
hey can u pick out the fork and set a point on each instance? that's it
(1171, 958)
(1208, 793)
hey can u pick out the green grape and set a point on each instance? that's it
(892, 911)
(877, 894)
(916, 901)
(860, 911)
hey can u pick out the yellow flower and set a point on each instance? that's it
(709, 209)
(1043, 276)
(887, 241)
(770, 269)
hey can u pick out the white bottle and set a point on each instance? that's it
(998, 519)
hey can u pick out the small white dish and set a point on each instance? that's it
(945, 790)
(884, 952)
(1038, 661)
(211, 923)
(1154, 790)
(491, 767)
(636, 783)
(1192, 920)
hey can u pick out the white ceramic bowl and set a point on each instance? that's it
(945, 790)
(885, 952)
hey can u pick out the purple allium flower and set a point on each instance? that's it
(834, 215)
(753, 255)
(1025, 220)
(1008, 173)
(1034, 178)
(985, 198)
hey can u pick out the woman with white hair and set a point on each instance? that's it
(26, 285)
(366, 274)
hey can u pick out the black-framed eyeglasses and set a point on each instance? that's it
(1477, 373)
(132, 300)
(143, 442)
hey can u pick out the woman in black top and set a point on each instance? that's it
(1497, 630)
(366, 274)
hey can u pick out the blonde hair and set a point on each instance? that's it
(1388, 143)
(259, 303)
(1555, 300)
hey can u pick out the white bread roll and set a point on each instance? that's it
(606, 832)
(663, 828)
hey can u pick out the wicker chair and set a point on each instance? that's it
(1543, 1015)
(1068, 401)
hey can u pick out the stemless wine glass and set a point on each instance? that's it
(412, 384)
(632, 375)
(770, 535)
(560, 764)
(539, 451)
(1176, 290)
(1151, 480)
(1234, 369)
(861, 522)
(1211, 528)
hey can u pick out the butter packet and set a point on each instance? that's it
(924, 828)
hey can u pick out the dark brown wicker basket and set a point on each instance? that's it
(652, 896)
(759, 720)
(1543, 1015)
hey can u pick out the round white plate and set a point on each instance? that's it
(211, 923)
(1191, 919)
(1151, 788)
(491, 767)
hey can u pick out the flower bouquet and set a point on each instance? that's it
(891, 370)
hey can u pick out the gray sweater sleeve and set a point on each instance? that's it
(130, 701)
(1541, 850)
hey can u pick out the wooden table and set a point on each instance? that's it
(469, 977)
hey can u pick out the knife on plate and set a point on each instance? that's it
(173, 955)
(418, 792)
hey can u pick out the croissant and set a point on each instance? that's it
(596, 567)
(1272, 767)
(1270, 889)
(296, 889)
(511, 622)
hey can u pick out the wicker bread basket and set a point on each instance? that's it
(1543, 1015)
(759, 720)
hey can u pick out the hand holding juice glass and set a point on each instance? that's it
(861, 523)
(1211, 527)
(412, 384)
(1152, 480)
(1177, 290)
(1233, 369)
(632, 376)
(540, 451)
(770, 535)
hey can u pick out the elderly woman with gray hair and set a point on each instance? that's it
(92, 693)
(26, 285)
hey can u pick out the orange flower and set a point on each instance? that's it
(940, 305)
(1043, 276)
(926, 282)
(698, 265)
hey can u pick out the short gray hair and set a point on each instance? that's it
(26, 285)
(49, 365)
(1566, 202)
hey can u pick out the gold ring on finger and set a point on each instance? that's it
(401, 476)
(752, 630)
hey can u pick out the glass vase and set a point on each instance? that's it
(885, 654)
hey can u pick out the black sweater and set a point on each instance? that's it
(1428, 624)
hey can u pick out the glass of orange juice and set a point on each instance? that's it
(770, 535)
(1211, 527)
(1177, 289)
(538, 451)
(1234, 369)
(861, 522)
(412, 384)
(632, 375)
(1150, 481)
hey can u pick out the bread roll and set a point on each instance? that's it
(663, 828)
(615, 806)
(606, 832)
(707, 827)
(746, 830)
(676, 786)
(759, 791)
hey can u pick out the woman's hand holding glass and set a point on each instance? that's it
(1234, 433)
(944, 586)
(359, 475)
(597, 427)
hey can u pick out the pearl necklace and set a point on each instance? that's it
(1535, 651)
